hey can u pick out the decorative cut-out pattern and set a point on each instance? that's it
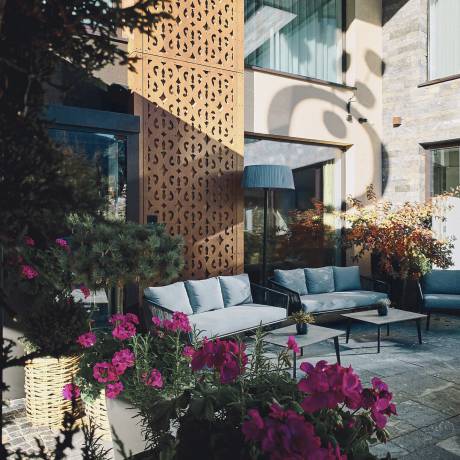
(192, 131)
(202, 31)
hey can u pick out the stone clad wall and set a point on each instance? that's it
(429, 113)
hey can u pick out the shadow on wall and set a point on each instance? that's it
(192, 183)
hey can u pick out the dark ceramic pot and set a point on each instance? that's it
(302, 329)
(383, 310)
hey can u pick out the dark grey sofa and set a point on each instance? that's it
(440, 291)
(218, 307)
(328, 289)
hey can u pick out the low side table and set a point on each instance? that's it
(394, 316)
(314, 335)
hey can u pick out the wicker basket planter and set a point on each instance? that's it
(44, 380)
(97, 411)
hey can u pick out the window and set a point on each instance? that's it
(302, 37)
(446, 176)
(108, 152)
(444, 38)
(302, 228)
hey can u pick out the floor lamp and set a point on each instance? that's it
(267, 177)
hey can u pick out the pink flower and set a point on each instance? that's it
(154, 379)
(105, 372)
(179, 322)
(156, 321)
(112, 390)
(87, 340)
(61, 242)
(29, 241)
(124, 331)
(29, 272)
(225, 356)
(122, 360)
(70, 391)
(188, 351)
(132, 318)
(85, 291)
(284, 434)
(292, 344)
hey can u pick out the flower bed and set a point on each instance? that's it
(217, 398)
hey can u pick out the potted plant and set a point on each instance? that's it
(399, 236)
(382, 306)
(111, 254)
(302, 320)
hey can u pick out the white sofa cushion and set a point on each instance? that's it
(317, 303)
(173, 296)
(204, 295)
(234, 319)
(236, 289)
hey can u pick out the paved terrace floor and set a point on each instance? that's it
(425, 380)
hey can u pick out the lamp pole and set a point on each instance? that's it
(264, 244)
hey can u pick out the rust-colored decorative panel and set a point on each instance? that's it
(192, 132)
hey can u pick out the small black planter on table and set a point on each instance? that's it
(394, 316)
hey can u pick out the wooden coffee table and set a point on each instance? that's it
(394, 316)
(314, 335)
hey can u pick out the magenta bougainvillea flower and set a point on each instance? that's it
(225, 356)
(29, 241)
(87, 340)
(292, 344)
(112, 390)
(122, 360)
(28, 272)
(105, 372)
(285, 434)
(70, 391)
(153, 378)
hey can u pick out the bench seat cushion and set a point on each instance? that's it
(174, 296)
(317, 303)
(441, 282)
(441, 301)
(234, 319)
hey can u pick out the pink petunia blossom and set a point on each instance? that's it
(105, 372)
(292, 344)
(188, 351)
(87, 340)
(85, 291)
(61, 242)
(70, 391)
(156, 321)
(29, 241)
(112, 390)
(29, 272)
(122, 360)
(153, 379)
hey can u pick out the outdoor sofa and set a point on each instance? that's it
(328, 289)
(440, 291)
(219, 306)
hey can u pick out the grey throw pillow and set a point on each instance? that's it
(320, 280)
(205, 295)
(292, 279)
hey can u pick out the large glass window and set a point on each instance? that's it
(302, 37)
(302, 228)
(108, 152)
(444, 38)
(445, 177)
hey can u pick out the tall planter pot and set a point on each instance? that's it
(97, 411)
(125, 426)
(45, 378)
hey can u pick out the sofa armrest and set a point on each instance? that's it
(151, 309)
(420, 294)
(295, 304)
(375, 284)
(266, 296)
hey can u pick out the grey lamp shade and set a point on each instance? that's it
(268, 176)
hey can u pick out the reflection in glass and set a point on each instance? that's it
(108, 152)
(302, 37)
(302, 227)
(445, 177)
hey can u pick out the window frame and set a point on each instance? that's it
(89, 120)
(343, 61)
